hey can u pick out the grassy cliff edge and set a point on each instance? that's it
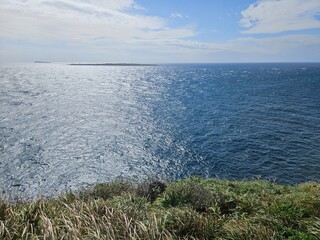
(194, 208)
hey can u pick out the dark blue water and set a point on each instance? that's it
(62, 127)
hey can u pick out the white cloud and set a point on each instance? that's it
(252, 46)
(274, 16)
(274, 45)
(83, 20)
(249, 49)
(116, 30)
(177, 15)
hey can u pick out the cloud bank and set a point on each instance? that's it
(70, 20)
(275, 16)
(122, 31)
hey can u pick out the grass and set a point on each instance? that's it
(193, 208)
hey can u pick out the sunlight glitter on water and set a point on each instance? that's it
(63, 127)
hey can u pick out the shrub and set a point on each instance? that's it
(191, 193)
(108, 190)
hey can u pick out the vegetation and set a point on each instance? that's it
(193, 208)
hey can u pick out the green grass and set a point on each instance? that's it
(193, 208)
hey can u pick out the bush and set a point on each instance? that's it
(108, 190)
(191, 193)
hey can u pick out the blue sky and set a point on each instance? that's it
(176, 31)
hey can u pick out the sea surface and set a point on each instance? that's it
(65, 127)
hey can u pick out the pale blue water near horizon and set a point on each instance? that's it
(63, 127)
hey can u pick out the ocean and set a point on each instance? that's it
(66, 127)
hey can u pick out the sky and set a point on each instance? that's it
(160, 31)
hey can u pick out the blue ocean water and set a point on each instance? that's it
(63, 127)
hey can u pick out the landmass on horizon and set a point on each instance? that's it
(111, 64)
(41, 62)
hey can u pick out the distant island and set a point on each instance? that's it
(111, 64)
(41, 62)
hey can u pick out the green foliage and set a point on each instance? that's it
(191, 192)
(288, 212)
(193, 208)
(3, 208)
(185, 222)
(107, 190)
